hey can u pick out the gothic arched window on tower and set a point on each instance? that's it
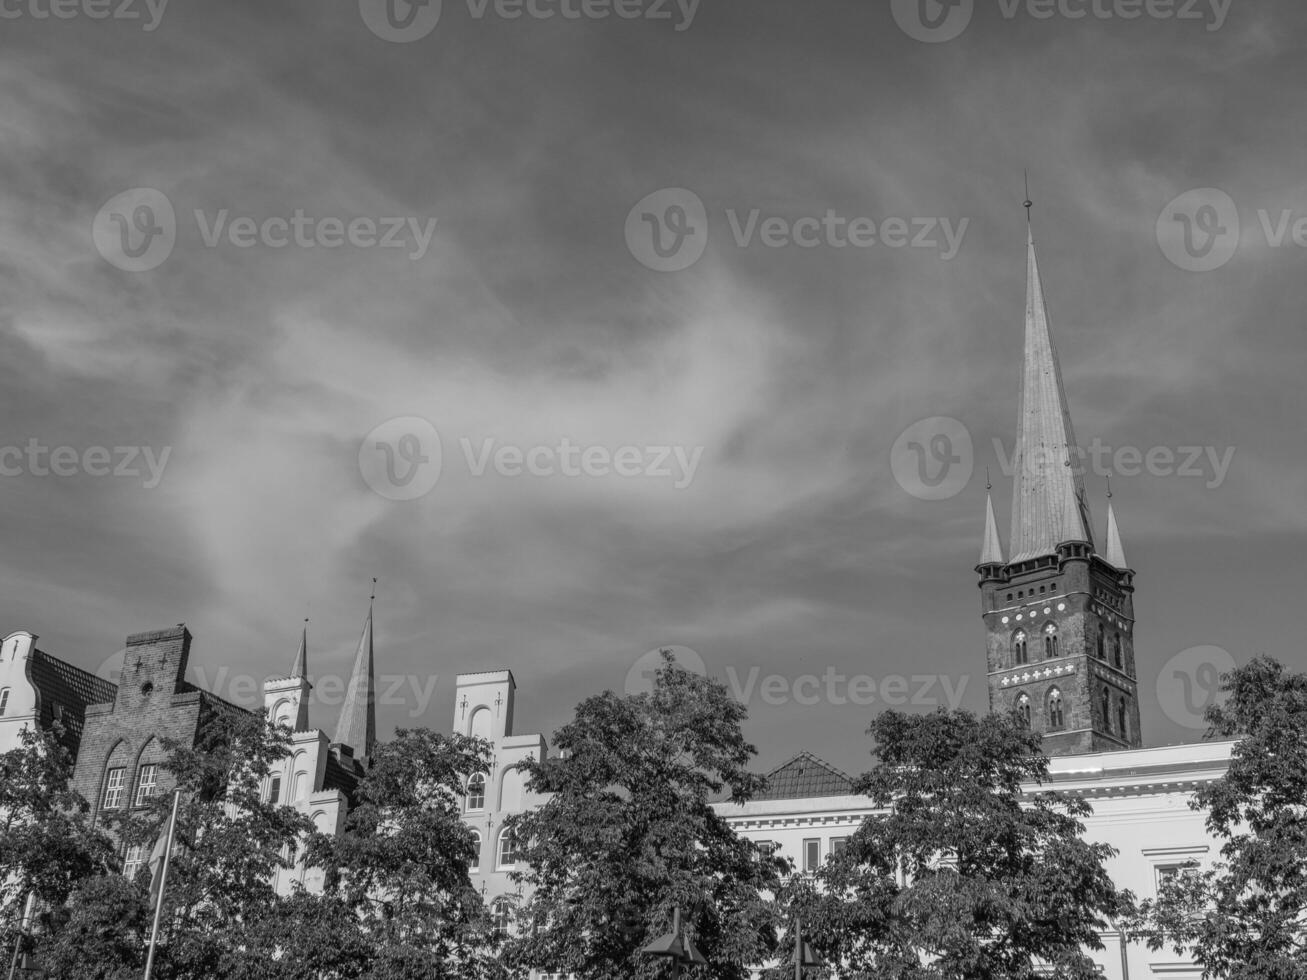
(1105, 702)
(1056, 716)
(1050, 641)
(1117, 657)
(1102, 643)
(1023, 709)
(1019, 647)
(1121, 719)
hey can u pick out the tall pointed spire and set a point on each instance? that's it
(1048, 495)
(301, 668)
(1115, 552)
(357, 727)
(991, 552)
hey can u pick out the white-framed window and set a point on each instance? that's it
(4, 700)
(768, 848)
(838, 845)
(811, 854)
(475, 864)
(501, 916)
(132, 861)
(476, 792)
(274, 790)
(147, 782)
(114, 787)
(509, 852)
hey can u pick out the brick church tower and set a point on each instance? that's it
(1059, 614)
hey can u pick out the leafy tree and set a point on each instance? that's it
(401, 865)
(228, 844)
(629, 833)
(964, 874)
(47, 846)
(1245, 918)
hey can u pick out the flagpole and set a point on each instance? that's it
(22, 928)
(163, 883)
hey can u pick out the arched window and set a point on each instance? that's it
(475, 864)
(512, 789)
(476, 792)
(1121, 719)
(1056, 716)
(1019, 647)
(4, 700)
(508, 850)
(501, 917)
(1102, 653)
(1117, 658)
(1050, 641)
(1105, 704)
(1023, 709)
(274, 790)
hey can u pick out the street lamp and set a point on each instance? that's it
(804, 957)
(675, 946)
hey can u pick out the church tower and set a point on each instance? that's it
(1059, 614)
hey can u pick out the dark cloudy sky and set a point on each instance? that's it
(528, 319)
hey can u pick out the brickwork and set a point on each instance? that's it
(153, 703)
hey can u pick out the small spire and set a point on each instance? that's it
(991, 552)
(1115, 552)
(1029, 203)
(357, 726)
(301, 668)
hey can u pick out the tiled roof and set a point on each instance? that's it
(67, 690)
(805, 776)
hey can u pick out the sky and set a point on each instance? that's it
(836, 190)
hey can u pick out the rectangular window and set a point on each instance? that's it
(767, 848)
(1167, 872)
(133, 861)
(811, 854)
(4, 700)
(838, 844)
(113, 789)
(146, 783)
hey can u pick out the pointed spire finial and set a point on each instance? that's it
(301, 668)
(1109, 486)
(1029, 203)
(988, 485)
